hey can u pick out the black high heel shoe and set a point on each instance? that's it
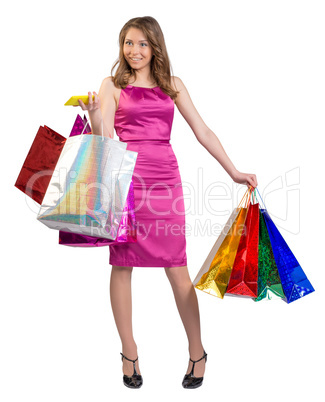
(135, 380)
(189, 380)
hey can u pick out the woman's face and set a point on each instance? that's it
(137, 50)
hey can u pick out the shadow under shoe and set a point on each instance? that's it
(135, 380)
(189, 380)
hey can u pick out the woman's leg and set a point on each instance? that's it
(187, 304)
(121, 301)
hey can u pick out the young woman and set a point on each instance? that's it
(138, 101)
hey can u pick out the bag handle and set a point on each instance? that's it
(254, 200)
(251, 190)
(261, 198)
(246, 196)
(82, 133)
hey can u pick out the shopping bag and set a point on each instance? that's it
(88, 191)
(215, 279)
(79, 125)
(127, 229)
(127, 232)
(269, 282)
(294, 282)
(244, 273)
(40, 162)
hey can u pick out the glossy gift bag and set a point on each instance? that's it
(127, 232)
(294, 282)
(40, 162)
(89, 187)
(42, 158)
(269, 282)
(214, 275)
(244, 274)
(79, 125)
(127, 229)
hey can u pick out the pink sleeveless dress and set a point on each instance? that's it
(144, 121)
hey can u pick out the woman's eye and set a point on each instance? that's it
(128, 42)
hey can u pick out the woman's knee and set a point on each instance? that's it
(178, 276)
(122, 271)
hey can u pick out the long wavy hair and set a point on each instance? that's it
(160, 64)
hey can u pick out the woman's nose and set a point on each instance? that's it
(136, 48)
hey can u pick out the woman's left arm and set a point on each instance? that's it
(206, 137)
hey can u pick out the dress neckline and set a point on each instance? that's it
(129, 85)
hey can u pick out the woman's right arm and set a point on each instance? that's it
(103, 107)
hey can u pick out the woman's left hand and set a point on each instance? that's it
(92, 104)
(245, 178)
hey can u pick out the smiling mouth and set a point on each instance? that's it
(135, 59)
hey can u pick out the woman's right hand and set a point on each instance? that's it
(245, 178)
(92, 104)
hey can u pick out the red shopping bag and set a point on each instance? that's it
(40, 162)
(42, 158)
(244, 275)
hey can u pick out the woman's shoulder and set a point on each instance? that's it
(108, 90)
(109, 83)
(109, 87)
(177, 83)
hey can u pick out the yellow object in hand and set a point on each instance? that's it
(73, 101)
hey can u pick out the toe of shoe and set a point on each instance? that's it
(134, 381)
(192, 382)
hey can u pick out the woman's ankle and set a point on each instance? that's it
(196, 351)
(130, 350)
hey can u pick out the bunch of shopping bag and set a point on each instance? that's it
(83, 184)
(250, 258)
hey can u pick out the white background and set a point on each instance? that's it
(255, 72)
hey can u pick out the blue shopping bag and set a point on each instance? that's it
(294, 281)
